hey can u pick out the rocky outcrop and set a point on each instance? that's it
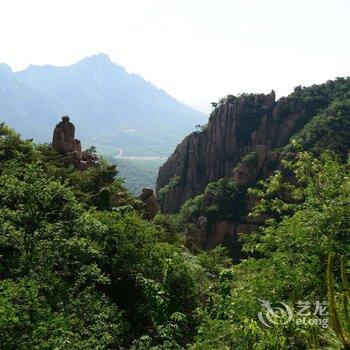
(63, 141)
(258, 164)
(242, 142)
(148, 197)
(236, 128)
(239, 143)
(63, 138)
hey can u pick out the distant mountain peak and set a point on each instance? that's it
(100, 58)
(103, 99)
(4, 68)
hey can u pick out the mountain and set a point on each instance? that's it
(112, 109)
(244, 141)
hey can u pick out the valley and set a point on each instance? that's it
(251, 210)
(115, 111)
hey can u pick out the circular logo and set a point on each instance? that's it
(270, 316)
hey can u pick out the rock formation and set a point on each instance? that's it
(239, 142)
(259, 165)
(237, 127)
(64, 142)
(149, 199)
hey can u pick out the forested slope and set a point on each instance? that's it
(81, 268)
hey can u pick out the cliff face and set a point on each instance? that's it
(248, 171)
(237, 127)
(244, 142)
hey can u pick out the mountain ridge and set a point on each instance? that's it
(237, 126)
(111, 107)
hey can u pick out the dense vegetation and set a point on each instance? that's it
(82, 269)
(290, 260)
(328, 129)
(74, 277)
(222, 199)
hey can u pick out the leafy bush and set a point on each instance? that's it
(330, 129)
(290, 258)
(74, 277)
(174, 181)
(222, 200)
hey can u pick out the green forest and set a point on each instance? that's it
(83, 267)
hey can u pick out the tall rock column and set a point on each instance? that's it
(64, 142)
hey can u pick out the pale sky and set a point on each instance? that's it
(196, 50)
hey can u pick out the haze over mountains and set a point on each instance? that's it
(111, 109)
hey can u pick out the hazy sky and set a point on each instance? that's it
(197, 50)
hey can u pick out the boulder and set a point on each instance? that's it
(63, 141)
(148, 197)
(63, 138)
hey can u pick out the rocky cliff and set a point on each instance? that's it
(237, 127)
(243, 142)
(259, 164)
